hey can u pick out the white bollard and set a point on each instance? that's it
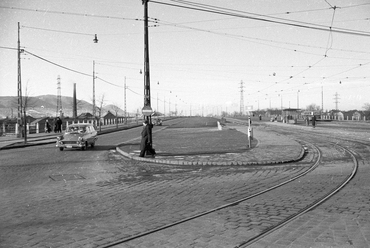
(219, 125)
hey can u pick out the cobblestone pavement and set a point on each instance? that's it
(343, 220)
(271, 148)
(231, 226)
(116, 198)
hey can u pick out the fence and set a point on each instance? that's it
(10, 129)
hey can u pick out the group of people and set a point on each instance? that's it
(57, 126)
(313, 120)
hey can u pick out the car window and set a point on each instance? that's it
(72, 129)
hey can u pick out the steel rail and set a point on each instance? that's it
(307, 208)
(314, 166)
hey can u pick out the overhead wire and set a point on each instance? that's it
(54, 30)
(71, 13)
(86, 34)
(329, 44)
(61, 66)
(214, 10)
(69, 69)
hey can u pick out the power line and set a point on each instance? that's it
(288, 22)
(8, 48)
(53, 63)
(70, 13)
(59, 31)
(72, 70)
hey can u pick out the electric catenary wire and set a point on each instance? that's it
(286, 22)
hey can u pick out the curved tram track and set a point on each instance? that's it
(253, 215)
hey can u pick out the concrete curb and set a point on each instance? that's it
(22, 145)
(211, 163)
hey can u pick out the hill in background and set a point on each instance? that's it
(46, 105)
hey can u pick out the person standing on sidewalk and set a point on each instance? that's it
(47, 127)
(313, 121)
(145, 138)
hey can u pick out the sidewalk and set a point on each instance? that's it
(10, 142)
(209, 146)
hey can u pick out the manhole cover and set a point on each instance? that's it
(66, 177)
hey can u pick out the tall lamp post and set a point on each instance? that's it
(147, 109)
(94, 106)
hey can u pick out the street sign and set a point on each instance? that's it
(147, 111)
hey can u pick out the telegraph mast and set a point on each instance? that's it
(20, 105)
(241, 98)
(147, 109)
(59, 98)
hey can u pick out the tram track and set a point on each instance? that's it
(307, 208)
(286, 181)
(152, 205)
(253, 239)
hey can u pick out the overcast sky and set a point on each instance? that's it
(280, 53)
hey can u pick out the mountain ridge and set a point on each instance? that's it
(46, 105)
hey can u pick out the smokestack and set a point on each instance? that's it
(74, 101)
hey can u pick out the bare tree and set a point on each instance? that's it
(116, 110)
(313, 107)
(27, 102)
(99, 108)
(366, 107)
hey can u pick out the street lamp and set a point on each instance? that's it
(147, 109)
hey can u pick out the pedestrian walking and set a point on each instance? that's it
(307, 120)
(145, 138)
(47, 127)
(313, 121)
(58, 125)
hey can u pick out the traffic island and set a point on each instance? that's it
(209, 146)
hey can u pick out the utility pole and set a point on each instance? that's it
(20, 105)
(59, 97)
(322, 98)
(241, 98)
(298, 99)
(147, 109)
(281, 101)
(94, 107)
(336, 100)
(124, 92)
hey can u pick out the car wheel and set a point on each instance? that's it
(61, 148)
(85, 147)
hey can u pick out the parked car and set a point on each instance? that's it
(78, 136)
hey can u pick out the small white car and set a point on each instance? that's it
(79, 135)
